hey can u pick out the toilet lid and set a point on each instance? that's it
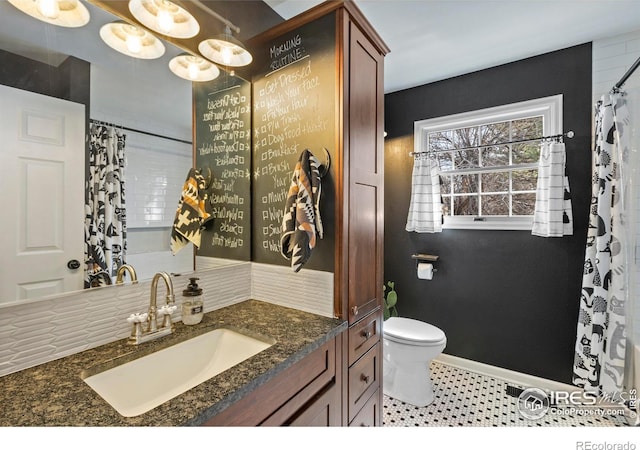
(412, 330)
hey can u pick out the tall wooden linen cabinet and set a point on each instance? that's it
(359, 258)
(357, 169)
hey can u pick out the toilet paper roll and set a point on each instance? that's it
(425, 271)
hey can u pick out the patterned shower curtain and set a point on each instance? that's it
(599, 362)
(105, 218)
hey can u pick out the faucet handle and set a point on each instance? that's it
(167, 309)
(137, 318)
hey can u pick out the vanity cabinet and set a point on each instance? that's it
(305, 394)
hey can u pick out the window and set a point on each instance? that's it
(487, 180)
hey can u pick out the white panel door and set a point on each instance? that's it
(42, 201)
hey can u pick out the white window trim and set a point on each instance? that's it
(550, 108)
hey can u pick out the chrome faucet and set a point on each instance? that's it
(132, 274)
(145, 326)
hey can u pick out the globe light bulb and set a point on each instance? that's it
(165, 20)
(49, 8)
(226, 53)
(134, 43)
(193, 70)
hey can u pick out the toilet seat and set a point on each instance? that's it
(412, 332)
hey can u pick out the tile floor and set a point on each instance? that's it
(468, 399)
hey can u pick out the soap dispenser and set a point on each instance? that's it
(192, 303)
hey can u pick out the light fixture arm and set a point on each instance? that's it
(216, 15)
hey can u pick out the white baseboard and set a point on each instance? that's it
(517, 378)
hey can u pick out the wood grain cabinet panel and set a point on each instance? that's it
(322, 411)
(286, 395)
(364, 380)
(366, 176)
(364, 335)
(370, 413)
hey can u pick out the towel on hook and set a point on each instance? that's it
(191, 214)
(425, 207)
(552, 215)
(301, 221)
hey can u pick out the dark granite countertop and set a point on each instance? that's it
(54, 394)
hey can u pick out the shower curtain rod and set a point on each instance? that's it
(100, 122)
(616, 87)
(568, 134)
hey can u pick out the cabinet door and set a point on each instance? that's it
(366, 175)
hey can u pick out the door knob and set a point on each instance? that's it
(73, 264)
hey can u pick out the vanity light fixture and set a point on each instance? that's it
(165, 17)
(193, 68)
(64, 13)
(131, 40)
(225, 49)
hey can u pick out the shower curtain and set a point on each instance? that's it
(599, 361)
(105, 218)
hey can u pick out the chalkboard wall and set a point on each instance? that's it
(223, 146)
(294, 103)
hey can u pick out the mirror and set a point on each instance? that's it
(143, 98)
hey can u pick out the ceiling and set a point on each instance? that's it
(432, 40)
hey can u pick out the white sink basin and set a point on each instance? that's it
(140, 385)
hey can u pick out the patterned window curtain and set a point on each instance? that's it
(552, 215)
(105, 218)
(425, 207)
(599, 362)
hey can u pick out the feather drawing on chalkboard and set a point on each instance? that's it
(301, 223)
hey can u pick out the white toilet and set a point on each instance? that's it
(409, 347)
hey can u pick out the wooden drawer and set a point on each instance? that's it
(322, 411)
(279, 399)
(369, 414)
(364, 335)
(364, 380)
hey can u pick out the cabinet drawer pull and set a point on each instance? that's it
(354, 310)
(364, 378)
(365, 334)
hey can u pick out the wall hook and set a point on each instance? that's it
(206, 174)
(324, 168)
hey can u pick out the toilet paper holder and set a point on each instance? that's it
(422, 257)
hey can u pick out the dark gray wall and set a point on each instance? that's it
(504, 298)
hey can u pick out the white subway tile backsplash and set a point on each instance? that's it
(70, 340)
(37, 332)
(308, 290)
(633, 45)
(28, 330)
(42, 352)
(603, 51)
